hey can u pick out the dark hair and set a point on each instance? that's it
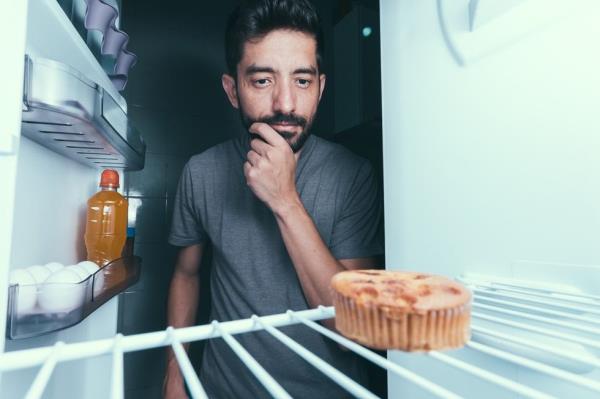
(253, 19)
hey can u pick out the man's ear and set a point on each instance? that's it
(228, 83)
(321, 85)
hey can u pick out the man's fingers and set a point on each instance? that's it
(253, 157)
(259, 146)
(267, 133)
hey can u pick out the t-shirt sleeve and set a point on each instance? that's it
(356, 233)
(186, 227)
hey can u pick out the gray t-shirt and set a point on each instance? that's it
(252, 272)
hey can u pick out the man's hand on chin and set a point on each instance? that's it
(271, 169)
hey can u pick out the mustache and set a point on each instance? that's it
(279, 117)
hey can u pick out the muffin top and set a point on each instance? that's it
(401, 290)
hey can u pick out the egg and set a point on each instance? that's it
(26, 292)
(83, 273)
(92, 268)
(89, 266)
(61, 292)
(54, 266)
(39, 273)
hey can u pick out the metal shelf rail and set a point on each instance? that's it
(541, 305)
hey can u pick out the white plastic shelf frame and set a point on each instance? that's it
(564, 317)
(76, 117)
(73, 302)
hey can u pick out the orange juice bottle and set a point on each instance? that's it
(106, 227)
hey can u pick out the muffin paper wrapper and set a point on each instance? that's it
(380, 327)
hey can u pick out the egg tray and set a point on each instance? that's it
(115, 277)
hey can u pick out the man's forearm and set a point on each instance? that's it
(183, 302)
(181, 310)
(314, 263)
(270, 174)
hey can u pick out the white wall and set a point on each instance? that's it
(12, 42)
(49, 214)
(494, 161)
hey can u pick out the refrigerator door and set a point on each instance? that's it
(45, 193)
(12, 42)
(490, 146)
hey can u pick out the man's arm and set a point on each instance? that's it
(181, 311)
(314, 263)
(270, 173)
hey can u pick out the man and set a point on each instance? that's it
(283, 210)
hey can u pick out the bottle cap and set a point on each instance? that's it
(109, 178)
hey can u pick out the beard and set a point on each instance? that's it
(295, 140)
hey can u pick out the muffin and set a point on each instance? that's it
(401, 310)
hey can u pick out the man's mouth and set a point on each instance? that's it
(284, 126)
(284, 122)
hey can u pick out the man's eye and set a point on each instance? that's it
(261, 82)
(303, 83)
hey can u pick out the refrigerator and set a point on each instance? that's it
(56, 97)
(490, 177)
(490, 164)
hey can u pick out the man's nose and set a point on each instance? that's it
(284, 99)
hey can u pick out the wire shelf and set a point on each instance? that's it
(528, 310)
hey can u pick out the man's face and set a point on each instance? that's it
(278, 83)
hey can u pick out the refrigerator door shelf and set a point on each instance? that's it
(61, 305)
(68, 113)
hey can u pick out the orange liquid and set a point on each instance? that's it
(106, 229)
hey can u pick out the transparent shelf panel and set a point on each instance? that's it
(39, 309)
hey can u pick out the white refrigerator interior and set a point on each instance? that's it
(491, 171)
(49, 223)
(491, 138)
(50, 193)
